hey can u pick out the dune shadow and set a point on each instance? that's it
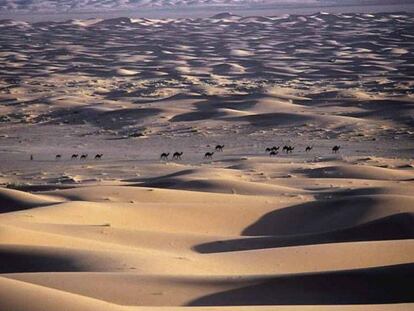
(394, 227)
(15, 207)
(40, 188)
(21, 261)
(114, 119)
(272, 119)
(312, 217)
(9, 203)
(163, 177)
(199, 185)
(196, 116)
(326, 193)
(212, 106)
(391, 284)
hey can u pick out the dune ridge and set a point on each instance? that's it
(149, 246)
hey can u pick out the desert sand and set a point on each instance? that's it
(242, 230)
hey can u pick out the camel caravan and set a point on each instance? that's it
(271, 151)
(83, 156)
(288, 149)
(177, 155)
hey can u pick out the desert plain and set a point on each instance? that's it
(242, 230)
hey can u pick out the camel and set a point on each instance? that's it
(308, 148)
(84, 156)
(274, 148)
(273, 153)
(58, 156)
(288, 149)
(74, 156)
(219, 148)
(336, 148)
(164, 156)
(208, 155)
(99, 156)
(177, 155)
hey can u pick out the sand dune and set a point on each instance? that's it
(13, 200)
(360, 172)
(149, 246)
(50, 298)
(220, 69)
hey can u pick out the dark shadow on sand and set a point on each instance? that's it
(391, 284)
(394, 227)
(22, 261)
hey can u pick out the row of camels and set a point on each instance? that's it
(83, 156)
(272, 151)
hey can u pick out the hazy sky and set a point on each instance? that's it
(75, 5)
(64, 9)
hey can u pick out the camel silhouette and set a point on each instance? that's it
(84, 156)
(336, 148)
(273, 153)
(308, 148)
(58, 156)
(74, 156)
(274, 148)
(288, 149)
(164, 156)
(99, 156)
(177, 155)
(219, 148)
(208, 155)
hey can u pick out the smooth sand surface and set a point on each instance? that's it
(241, 230)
